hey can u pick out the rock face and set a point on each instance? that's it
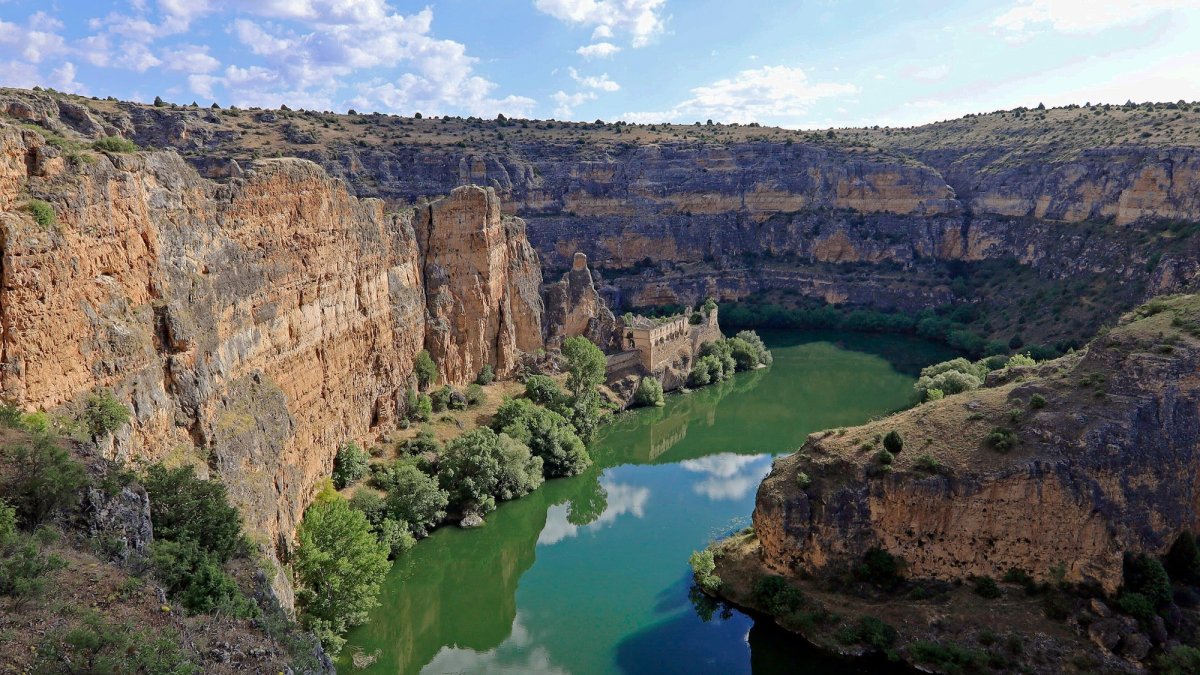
(575, 307)
(482, 285)
(1108, 466)
(251, 326)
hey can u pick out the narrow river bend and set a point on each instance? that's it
(589, 574)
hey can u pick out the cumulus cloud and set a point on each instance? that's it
(600, 82)
(641, 20)
(1082, 16)
(729, 476)
(622, 500)
(752, 95)
(565, 104)
(599, 50)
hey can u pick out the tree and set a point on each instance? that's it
(415, 498)
(339, 567)
(486, 375)
(425, 369)
(743, 353)
(1183, 560)
(350, 464)
(542, 389)
(893, 442)
(44, 477)
(520, 470)
(585, 366)
(187, 508)
(158, 102)
(649, 392)
(1146, 576)
(469, 470)
(23, 562)
(548, 434)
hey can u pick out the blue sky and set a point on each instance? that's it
(806, 64)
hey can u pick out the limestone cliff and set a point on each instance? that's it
(574, 306)
(1108, 465)
(251, 325)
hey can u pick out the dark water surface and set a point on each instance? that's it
(589, 574)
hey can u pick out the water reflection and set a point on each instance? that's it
(730, 476)
(620, 500)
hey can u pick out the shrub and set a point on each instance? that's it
(97, 645)
(43, 213)
(870, 631)
(543, 390)
(1017, 360)
(194, 577)
(776, 596)
(10, 416)
(986, 587)
(475, 395)
(425, 369)
(880, 568)
(371, 504)
(23, 561)
(469, 470)
(649, 392)
(706, 370)
(103, 413)
(951, 377)
(1016, 575)
(803, 480)
(1001, 439)
(521, 472)
(1183, 560)
(441, 398)
(1182, 660)
(893, 442)
(884, 457)
(928, 463)
(548, 435)
(424, 442)
(415, 498)
(44, 477)
(703, 566)
(339, 567)
(760, 350)
(424, 409)
(186, 508)
(1145, 575)
(486, 374)
(1037, 401)
(114, 144)
(396, 536)
(951, 659)
(350, 464)
(934, 395)
(744, 355)
(1138, 606)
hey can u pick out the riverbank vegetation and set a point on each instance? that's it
(719, 360)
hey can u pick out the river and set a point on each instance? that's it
(589, 574)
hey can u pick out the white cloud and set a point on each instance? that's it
(928, 73)
(640, 19)
(601, 82)
(566, 103)
(63, 79)
(622, 500)
(599, 50)
(36, 40)
(190, 59)
(752, 95)
(1082, 16)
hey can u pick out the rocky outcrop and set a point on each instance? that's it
(482, 285)
(1108, 466)
(253, 325)
(575, 307)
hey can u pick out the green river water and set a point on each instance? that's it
(589, 574)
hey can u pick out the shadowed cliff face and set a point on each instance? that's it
(1108, 466)
(253, 325)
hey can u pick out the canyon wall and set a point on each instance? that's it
(253, 325)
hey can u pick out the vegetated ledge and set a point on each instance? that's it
(1049, 478)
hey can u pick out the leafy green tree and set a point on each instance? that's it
(585, 373)
(1145, 575)
(703, 568)
(350, 464)
(548, 434)
(426, 370)
(24, 563)
(475, 395)
(415, 498)
(520, 470)
(371, 504)
(44, 477)
(104, 414)
(543, 390)
(649, 392)
(339, 566)
(187, 508)
(396, 536)
(743, 353)
(469, 470)
(424, 408)
(486, 374)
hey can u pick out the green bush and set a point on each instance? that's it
(194, 577)
(1145, 575)
(10, 416)
(649, 393)
(1183, 560)
(803, 480)
(951, 659)
(103, 413)
(986, 587)
(870, 631)
(1016, 575)
(441, 398)
(950, 377)
(43, 213)
(469, 471)
(350, 464)
(1182, 660)
(424, 442)
(415, 498)
(339, 566)
(486, 374)
(1017, 360)
(893, 442)
(44, 477)
(371, 504)
(703, 568)
(884, 457)
(1138, 606)
(776, 596)
(186, 508)
(880, 568)
(97, 645)
(928, 463)
(396, 536)
(521, 472)
(425, 369)
(24, 563)
(743, 353)
(543, 390)
(424, 408)
(475, 395)
(756, 344)
(548, 435)
(1037, 401)
(115, 144)
(1001, 439)
(706, 370)
(585, 373)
